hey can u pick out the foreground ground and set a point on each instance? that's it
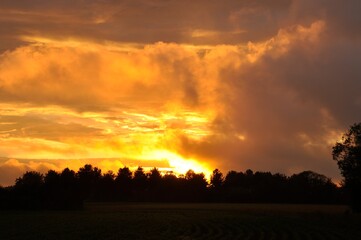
(183, 221)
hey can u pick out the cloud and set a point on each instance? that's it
(10, 169)
(37, 127)
(234, 85)
(103, 78)
(289, 104)
(145, 22)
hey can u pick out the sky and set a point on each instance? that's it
(178, 85)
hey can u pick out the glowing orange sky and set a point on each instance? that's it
(177, 84)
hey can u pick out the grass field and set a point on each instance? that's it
(183, 221)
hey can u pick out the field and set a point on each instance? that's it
(183, 221)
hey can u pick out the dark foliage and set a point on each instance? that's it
(68, 190)
(347, 153)
(123, 183)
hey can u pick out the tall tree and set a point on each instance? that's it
(106, 188)
(71, 196)
(217, 178)
(347, 153)
(89, 177)
(154, 178)
(124, 175)
(30, 183)
(29, 190)
(123, 183)
(196, 186)
(140, 179)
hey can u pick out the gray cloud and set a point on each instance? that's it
(146, 21)
(289, 108)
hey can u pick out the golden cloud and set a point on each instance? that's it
(190, 106)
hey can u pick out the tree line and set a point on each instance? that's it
(69, 189)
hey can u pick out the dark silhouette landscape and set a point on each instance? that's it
(69, 189)
(180, 119)
(155, 205)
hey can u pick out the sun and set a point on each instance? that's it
(178, 163)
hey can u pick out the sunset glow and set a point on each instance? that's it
(176, 85)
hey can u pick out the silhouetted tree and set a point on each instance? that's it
(52, 179)
(28, 190)
(61, 190)
(233, 187)
(124, 177)
(216, 186)
(89, 177)
(139, 184)
(196, 186)
(68, 179)
(106, 190)
(123, 182)
(154, 178)
(233, 179)
(140, 179)
(278, 188)
(311, 187)
(67, 190)
(52, 192)
(347, 153)
(30, 181)
(217, 179)
(172, 188)
(154, 185)
(70, 191)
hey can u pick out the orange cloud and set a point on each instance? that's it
(184, 105)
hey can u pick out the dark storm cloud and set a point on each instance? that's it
(290, 108)
(145, 21)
